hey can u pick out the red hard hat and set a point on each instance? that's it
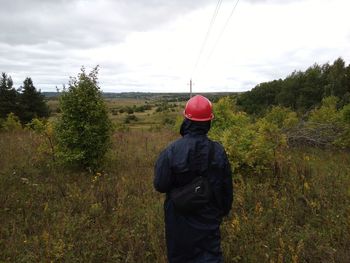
(199, 108)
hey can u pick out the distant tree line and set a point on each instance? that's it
(300, 91)
(25, 102)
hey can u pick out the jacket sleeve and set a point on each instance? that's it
(227, 187)
(162, 173)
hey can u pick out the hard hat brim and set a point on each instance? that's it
(188, 116)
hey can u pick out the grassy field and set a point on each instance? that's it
(53, 215)
(158, 113)
(50, 214)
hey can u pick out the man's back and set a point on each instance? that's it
(189, 157)
(195, 237)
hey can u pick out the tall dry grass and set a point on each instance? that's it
(50, 214)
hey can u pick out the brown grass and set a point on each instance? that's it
(50, 214)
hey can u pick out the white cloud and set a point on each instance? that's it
(153, 45)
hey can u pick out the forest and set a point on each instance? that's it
(76, 170)
(301, 91)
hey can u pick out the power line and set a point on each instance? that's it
(212, 21)
(222, 31)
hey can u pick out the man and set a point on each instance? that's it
(195, 237)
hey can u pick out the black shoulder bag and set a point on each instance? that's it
(195, 195)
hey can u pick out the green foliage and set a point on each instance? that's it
(261, 97)
(44, 129)
(178, 122)
(300, 91)
(226, 116)
(167, 118)
(327, 113)
(344, 140)
(26, 105)
(165, 107)
(327, 123)
(130, 118)
(84, 128)
(32, 103)
(130, 110)
(346, 113)
(287, 207)
(12, 123)
(283, 117)
(251, 147)
(37, 125)
(68, 216)
(8, 96)
(143, 108)
(300, 214)
(256, 147)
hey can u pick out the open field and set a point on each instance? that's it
(51, 214)
(137, 113)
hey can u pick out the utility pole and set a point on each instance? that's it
(190, 88)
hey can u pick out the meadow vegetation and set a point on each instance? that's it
(48, 213)
(291, 204)
(51, 214)
(292, 182)
(291, 171)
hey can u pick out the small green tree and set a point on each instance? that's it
(252, 148)
(84, 128)
(346, 113)
(283, 117)
(327, 113)
(12, 123)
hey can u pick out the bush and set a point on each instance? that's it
(45, 130)
(283, 117)
(130, 118)
(115, 111)
(252, 148)
(327, 113)
(84, 128)
(129, 110)
(12, 123)
(178, 122)
(325, 127)
(346, 114)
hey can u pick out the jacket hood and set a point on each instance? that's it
(194, 127)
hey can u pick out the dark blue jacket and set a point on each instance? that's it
(188, 235)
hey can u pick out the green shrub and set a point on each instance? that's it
(252, 148)
(45, 130)
(346, 114)
(282, 117)
(12, 123)
(129, 110)
(344, 140)
(84, 128)
(327, 113)
(130, 118)
(178, 122)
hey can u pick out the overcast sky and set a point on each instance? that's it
(153, 45)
